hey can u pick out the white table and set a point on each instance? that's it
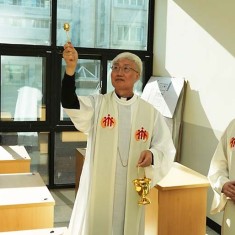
(25, 202)
(47, 231)
(14, 159)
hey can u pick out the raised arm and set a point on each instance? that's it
(69, 98)
(70, 56)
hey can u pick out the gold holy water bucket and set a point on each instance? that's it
(142, 187)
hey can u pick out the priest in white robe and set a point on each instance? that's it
(222, 179)
(125, 133)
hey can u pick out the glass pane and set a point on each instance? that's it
(65, 156)
(104, 23)
(25, 22)
(138, 85)
(87, 78)
(35, 144)
(22, 88)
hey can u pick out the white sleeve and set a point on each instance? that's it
(218, 175)
(163, 150)
(83, 118)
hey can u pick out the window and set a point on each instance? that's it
(138, 3)
(16, 2)
(40, 3)
(87, 79)
(61, 4)
(36, 146)
(22, 86)
(25, 23)
(97, 24)
(66, 144)
(131, 35)
(41, 23)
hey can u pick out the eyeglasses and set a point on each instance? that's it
(125, 69)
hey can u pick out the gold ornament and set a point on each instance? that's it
(142, 187)
(67, 28)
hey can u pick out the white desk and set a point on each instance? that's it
(47, 231)
(14, 159)
(25, 202)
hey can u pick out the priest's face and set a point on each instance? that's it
(124, 75)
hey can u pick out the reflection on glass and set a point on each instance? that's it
(137, 87)
(25, 22)
(36, 147)
(22, 87)
(28, 96)
(87, 78)
(116, 24)
(66, 144)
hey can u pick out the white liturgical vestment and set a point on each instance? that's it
(118, 131)
(222, 170)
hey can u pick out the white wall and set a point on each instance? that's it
(195, 39)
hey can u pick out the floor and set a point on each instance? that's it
(64, 199)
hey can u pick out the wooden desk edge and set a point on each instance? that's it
(31, 204)
(173, 187)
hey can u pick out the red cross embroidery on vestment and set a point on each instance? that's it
(141, 134)
(232, 142)
(108, 121)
